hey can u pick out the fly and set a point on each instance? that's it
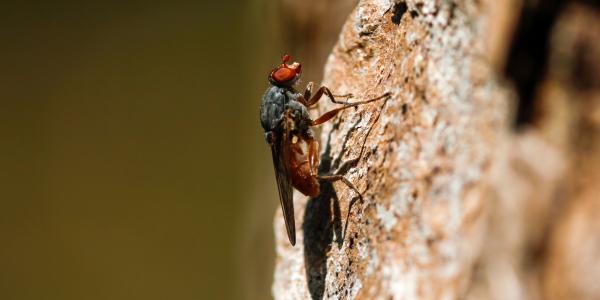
(288, 131)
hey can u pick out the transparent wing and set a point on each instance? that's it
(281, 154)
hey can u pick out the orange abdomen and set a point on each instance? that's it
(306, 184)
(301, 178)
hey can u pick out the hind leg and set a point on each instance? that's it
(334, 178)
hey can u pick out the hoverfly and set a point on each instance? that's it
(287, 124)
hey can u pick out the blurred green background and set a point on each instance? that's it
(132, 161)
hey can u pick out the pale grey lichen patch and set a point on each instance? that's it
(386, 217)
(363, 25)
(365, 120)
(363, 250)
(400, 279)
(418, 65)
(449, 252)
(383, 5)
(411, 37)
(373, 263)
(360, 19)
(401, 199)
(355, 287)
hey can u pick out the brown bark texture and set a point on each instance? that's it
(456, 203)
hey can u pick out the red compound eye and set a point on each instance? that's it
(286, 73)
(283, 74)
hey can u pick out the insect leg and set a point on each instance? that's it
(324, 90)
(333, 178)
(330, 114)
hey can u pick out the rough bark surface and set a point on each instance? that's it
(457, 204)
(426, 155)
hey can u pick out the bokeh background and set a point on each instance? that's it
(132, 161)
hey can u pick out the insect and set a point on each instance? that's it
(288, 131)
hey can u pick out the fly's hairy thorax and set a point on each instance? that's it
(275, 102)
(272, 107)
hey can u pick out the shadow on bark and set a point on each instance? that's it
(319, 226)
(322, 218)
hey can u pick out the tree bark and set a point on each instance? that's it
(456, 203)
(422, 173)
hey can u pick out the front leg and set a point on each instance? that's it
(324, 90)
(332, 113)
